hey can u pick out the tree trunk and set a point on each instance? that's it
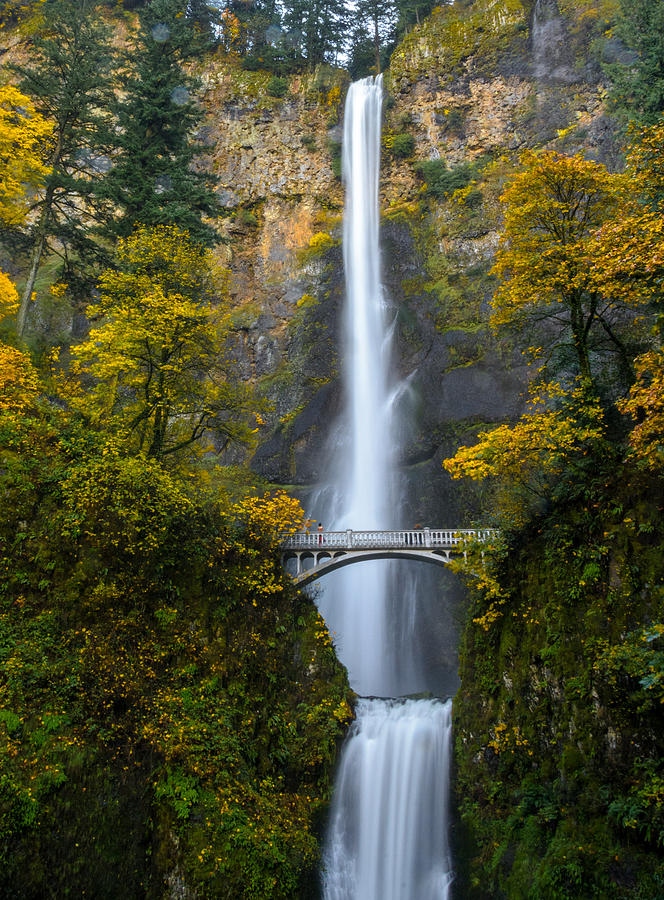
(39, 245)
(580, 340)
(35, 261)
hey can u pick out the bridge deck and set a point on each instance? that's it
(429, 538)
(314, 553)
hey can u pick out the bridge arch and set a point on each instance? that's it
(324, 562)
(316, 554)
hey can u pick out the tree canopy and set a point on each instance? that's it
(68, 81)
(157, 352)
(25, 138)
(637, 87)
(581, 259)
(561, 217)
(153, 179)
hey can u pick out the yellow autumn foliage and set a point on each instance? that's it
(550, 210)
(320, 242)
(556, 427)
(8, 296)
(270, 515)
(645, 161)
(19, 381)
(549, 248)
(24, 135)
(645, 405)
(157, 353)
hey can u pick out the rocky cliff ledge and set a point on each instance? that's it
(467, 91)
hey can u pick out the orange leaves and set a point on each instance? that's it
(233, 32)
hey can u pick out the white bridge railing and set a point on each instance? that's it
(429, 538)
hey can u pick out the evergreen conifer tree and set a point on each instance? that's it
(68, 80)
(204, 17)
(323, 25)
(379, 17)
(638, 84)
(153, 180)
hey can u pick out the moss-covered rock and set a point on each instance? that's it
(559, 743)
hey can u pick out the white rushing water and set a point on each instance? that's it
(388, 834)
(354, 602)
(387, 838)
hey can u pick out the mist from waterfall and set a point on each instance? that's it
(387, 838)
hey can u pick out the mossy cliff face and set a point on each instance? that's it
(558, 719)
(471, 88)
(275, 160)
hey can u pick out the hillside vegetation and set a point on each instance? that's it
(170, 707)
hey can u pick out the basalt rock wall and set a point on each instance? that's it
(472, 87)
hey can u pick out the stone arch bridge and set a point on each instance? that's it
(310, 555)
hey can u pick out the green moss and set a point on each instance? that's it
(248, 85)
(560, 764)
(403, 213)
(242, 317)
(453, 33)
(170, 702)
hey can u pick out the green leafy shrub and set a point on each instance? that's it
(473, 199)
(168, 698)
(251, 63)
(277, 86)
(454, 119)
(334, 148)
(440, 181)
(403, 146)
(247, 218)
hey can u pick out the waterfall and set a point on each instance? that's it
(388, 834)
(387, 837)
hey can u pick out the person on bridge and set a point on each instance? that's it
(320, 532)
